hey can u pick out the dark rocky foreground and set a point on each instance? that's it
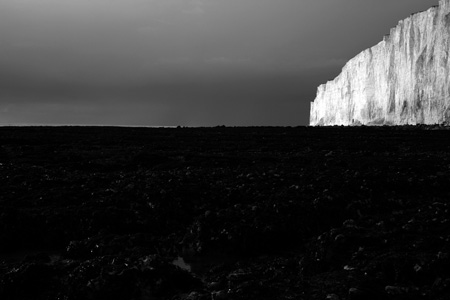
(225, 213)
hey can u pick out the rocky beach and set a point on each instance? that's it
(225, 213)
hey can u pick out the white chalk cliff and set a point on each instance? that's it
(405, 79)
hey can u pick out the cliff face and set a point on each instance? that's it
(402, 80)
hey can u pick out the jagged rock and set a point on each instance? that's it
(332, 297)
(356, 294)
(220, 295)
(404, 79)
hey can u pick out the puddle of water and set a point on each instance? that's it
(179, 262)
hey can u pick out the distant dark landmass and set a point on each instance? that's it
(225, 213)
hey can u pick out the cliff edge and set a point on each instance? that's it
(404, 79)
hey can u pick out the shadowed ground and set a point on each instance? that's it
(254, 213)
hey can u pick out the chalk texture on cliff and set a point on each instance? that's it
(402, 80)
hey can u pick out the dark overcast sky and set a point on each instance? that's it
(180, 62)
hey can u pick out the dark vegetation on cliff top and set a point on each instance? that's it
(245, 213)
